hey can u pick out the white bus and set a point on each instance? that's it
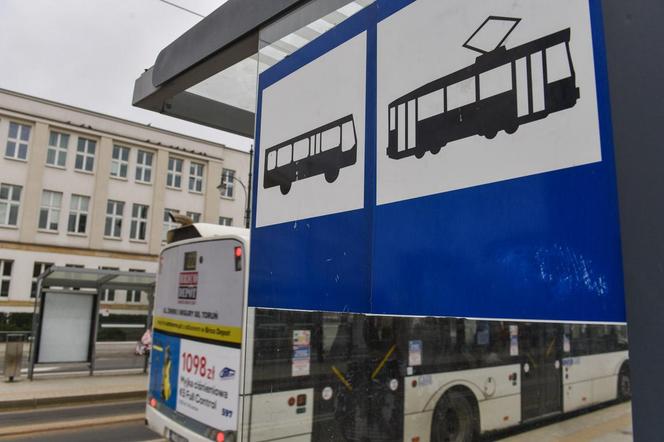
(223, 371)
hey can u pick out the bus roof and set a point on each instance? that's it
(205, 230)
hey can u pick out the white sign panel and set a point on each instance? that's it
(66, 327)
(208, 384)
(312, 138)
(472, 92)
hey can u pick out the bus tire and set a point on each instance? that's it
(285, 188)
(455, 418)
(419, 154)
(435, 150)
(624, 383)
(490, 134)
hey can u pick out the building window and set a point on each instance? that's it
(78, 214)
(196, 177)
(225, 221)
(56, 155)
(113, 225)
(139, 222)
(134, 296)
(17, 141)
(10, 200)
(174, 176)
(227, 176)
(108, 295)
(5, 277)
(38, 269)
(49, 212)
(168, 223)
(195, 216)
(144, 166)
(85, 154)
(120, 161)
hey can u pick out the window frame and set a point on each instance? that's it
(121, 161)
(52, 211)
(142, 167)
(5, 280)
(139, 223)
(167, 224)
(89, 152)
(225, 221)
(115, 219)
(195, 179)
(195, 216)
(18, 141)
(173, 174)
(59, 151)
(77, 213)
(10, 202)
(43, 266)
(227, 185)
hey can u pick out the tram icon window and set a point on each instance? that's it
(322, 151)
(503, 89)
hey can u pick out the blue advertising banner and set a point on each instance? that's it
(441, 158)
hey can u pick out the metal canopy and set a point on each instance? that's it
(208, 75)
(219, 41)
(74, 277)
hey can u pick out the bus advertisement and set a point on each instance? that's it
(196, 352)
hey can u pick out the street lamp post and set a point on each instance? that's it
(247, 190)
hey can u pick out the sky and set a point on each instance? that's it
(88, 53)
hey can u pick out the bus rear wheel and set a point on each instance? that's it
(285, 188)
(624, 384)
(454, 419)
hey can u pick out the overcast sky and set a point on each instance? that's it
(87, 53)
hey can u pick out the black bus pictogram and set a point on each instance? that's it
(503, 89)
(324, 150)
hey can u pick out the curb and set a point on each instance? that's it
(66, 425)
(69, 400)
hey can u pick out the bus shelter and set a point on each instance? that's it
(210, 75)
(66, 314)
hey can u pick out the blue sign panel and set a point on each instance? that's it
(441, 158)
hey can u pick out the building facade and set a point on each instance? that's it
(83, 189)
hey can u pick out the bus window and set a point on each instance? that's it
(271, 160)
(300, 149)
(284, 155)
(430, 104)
(347, 136)
(401, 123)
(331, 138)
(496, 81)
(557, 63)
(393, 122)
(461, 93)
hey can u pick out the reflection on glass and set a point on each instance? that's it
(366, 377)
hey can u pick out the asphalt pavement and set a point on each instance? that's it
(124, 432)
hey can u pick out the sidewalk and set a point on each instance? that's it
(61, 390)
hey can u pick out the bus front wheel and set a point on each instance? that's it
(285, 188)
(455, 418)
(331, 175)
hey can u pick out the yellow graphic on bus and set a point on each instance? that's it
(166, 375)
(212, 332)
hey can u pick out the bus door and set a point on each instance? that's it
(541, 379)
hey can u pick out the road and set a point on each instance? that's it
(108, 422)
(125, 432)
(608, 424)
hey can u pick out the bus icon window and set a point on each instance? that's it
(502, 90)
(322, 151)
